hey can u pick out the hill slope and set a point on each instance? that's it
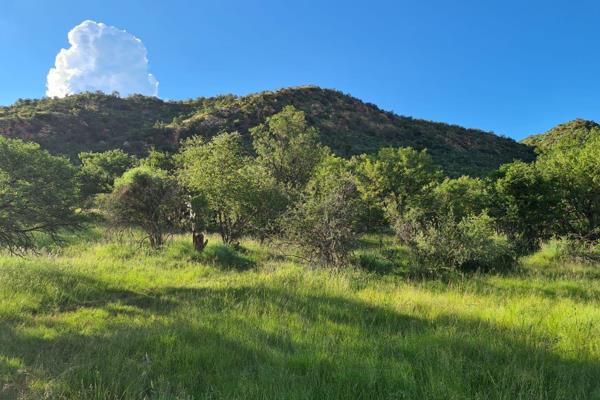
(94, 121)
(571, 133)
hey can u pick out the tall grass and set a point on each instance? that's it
(110, 319)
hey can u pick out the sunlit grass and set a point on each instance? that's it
(109, 318)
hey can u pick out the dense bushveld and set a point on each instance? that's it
(285, 271)
(103, 318)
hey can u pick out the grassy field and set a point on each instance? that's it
(111, 320)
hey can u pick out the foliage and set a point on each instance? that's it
(147, 198)
(575, 175)
(97, 122)
(396, 175)
(398, 182)
(159, 160)
(98, 171)
(569, 249)
(525, 204)
(324, 223)
(471, 244)
(461, 197)
(568, 135)
(240, 195)
(38, 194)
(288, 148)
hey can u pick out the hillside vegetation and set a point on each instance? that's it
(573, 133)
(97, 122)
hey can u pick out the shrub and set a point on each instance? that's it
(148, 198)
(159, 160)
(216, 255)
(472, 244)
(325, 222)
(578, 250)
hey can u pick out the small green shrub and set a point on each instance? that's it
(472, 244)
(324, 223)
(148, 198)
(578, 250)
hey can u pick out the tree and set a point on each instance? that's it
(574, 172)
(288, 147)
(525, 204)
(98, 171)
(239, 194)
(396, 176)
(148, 198)
(325, 222)
(399, 182)
(461, 197)
(38, 194)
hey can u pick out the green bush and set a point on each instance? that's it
(578, 250)
(472, 244)
(148, 198)
(325, 222)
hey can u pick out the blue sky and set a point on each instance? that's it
(512, 67)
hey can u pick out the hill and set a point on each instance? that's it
(571, 133)
(95, 121)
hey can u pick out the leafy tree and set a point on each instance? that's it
(38, 194)
(461, 197)
(399, 182)
(396, 176)
(266, 200)
(575, 175)
(239, 194)
(325, 222)
(288, 147)
(525, 204)
(99, 170)
(148, 198)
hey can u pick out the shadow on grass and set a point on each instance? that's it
(61, 291)
(384, 260)
(578, 291)
(260, 342)
(217, 255)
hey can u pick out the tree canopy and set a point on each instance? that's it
(38, 194)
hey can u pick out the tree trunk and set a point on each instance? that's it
(199, 241)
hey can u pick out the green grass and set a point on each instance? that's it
(108, 319)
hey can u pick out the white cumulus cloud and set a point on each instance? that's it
(101, 57)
